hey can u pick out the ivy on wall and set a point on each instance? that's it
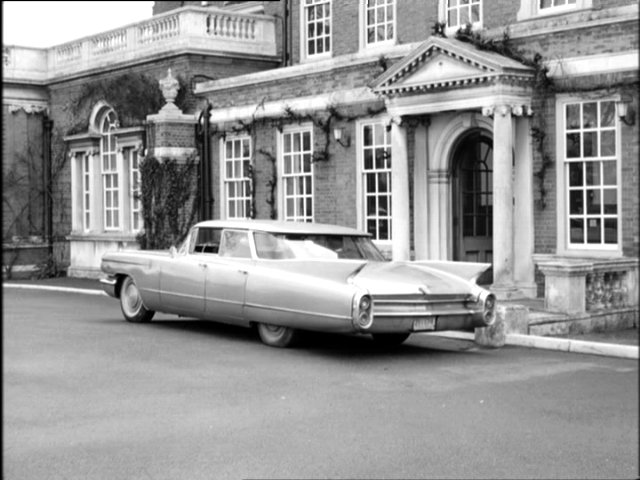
(132, 95)
(169, 195)
(324, 121)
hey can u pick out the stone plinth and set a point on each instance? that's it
(565, 284)
(172, 133)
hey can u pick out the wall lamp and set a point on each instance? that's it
(625, 111)
(341, 137)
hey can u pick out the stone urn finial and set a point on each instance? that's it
(169, 86)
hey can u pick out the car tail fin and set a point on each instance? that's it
(470, 271)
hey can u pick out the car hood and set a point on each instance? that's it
(410, 278)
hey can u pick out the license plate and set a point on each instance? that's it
(422, 324)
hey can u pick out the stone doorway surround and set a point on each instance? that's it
(457, 87)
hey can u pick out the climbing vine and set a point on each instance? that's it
(323, 121)
(132, 95)
(169, 195)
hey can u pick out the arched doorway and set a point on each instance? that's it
(472, 163)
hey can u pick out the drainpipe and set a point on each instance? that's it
(285, 32)
(47, 126)
(206, 199)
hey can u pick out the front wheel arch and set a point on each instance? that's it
(131, 303)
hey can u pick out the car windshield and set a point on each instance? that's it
(303, 246)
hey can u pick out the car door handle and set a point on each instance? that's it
(202, 265)
(244, 272)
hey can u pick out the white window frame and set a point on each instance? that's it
(242, 180)
(86, 199)
(110, 166)
(564, 247)
(304, 46)
(361, 189)
(364, 26)
(443, 15)
(135, 204)
(531, 9)
(284, 176)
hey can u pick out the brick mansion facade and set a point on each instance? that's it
(474, 130)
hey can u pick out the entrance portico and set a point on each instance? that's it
(443, 91)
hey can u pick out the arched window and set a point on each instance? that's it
(106, 176)
(109, 170)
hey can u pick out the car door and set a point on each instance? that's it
(226, 277)
(183, 277)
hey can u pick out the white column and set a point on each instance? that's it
(400, 223)
(437, 214)
(503, 282)
(523, 235)
(420, 192)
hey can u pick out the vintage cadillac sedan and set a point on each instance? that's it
(283, 277)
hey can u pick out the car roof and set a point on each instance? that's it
(279, 226)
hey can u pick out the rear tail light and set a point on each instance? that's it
(362, 315)
(489, 309)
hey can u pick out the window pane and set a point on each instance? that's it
(367, 135)
(610, 230)
(573, 116)
(594, 230)
(593, 202)
(608, 143)
(607, 114)
(575, 174)
(368, 159)
(576, 230)
(593, 173)
(573, 145)
(609, 173)
(370, 185)
(610, 201)
(576, 202)
(384, 232)
(590, 140)
(590, 115)
(383, 183)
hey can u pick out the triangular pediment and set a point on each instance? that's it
(445, 63)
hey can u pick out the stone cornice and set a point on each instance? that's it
(549, 25)
(304, 69)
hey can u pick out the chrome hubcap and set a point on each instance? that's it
(131, 298)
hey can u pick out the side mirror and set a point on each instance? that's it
(172, 251)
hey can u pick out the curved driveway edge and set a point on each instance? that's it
(529, 341)
(87, 291)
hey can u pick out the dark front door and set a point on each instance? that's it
(473, 200)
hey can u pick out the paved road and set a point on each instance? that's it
(88, 396)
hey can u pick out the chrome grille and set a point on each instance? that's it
(420, 306)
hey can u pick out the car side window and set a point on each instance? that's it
(206, 240)
(235, 244)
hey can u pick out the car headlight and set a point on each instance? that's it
(362, 315)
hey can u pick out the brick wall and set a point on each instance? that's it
(22, 170)
(64, 94)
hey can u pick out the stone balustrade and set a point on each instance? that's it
(578, 285)
(189, 29)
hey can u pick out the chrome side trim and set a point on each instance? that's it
(300, 312)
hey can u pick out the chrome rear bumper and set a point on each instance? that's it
(109, 285)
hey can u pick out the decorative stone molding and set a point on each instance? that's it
(487, 111)
(169, 86)
(503, 110)
(28, 108)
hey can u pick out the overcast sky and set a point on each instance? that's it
(44, 24)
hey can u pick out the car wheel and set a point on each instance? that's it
(389, 339)
(131, 303)
(277, 336)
